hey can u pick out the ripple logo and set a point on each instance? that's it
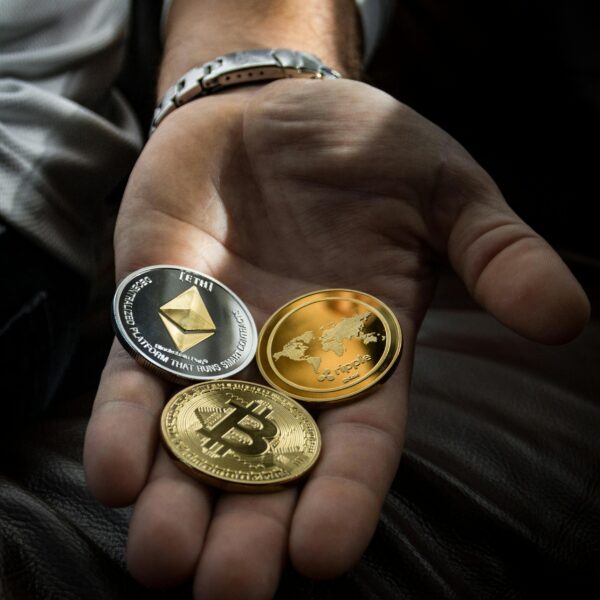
(326, 375)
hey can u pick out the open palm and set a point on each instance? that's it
(299, 186)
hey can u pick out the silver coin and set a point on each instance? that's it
(182, 324)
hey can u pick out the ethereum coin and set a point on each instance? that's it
(240, 436)
(330, 346)
(184, 325)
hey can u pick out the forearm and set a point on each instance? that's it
(200, 30)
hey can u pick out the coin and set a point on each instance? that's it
(182, 324)
(240, 436)
(329, 346)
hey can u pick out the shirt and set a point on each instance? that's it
(67, 136)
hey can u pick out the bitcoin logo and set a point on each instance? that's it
(240, 436)
(244, 430)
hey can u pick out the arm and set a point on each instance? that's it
(200, 31)
(381, 194)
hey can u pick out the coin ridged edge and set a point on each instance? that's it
(160, 369)
(321, 402)
(227, 484)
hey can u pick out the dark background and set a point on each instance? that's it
(497, 492)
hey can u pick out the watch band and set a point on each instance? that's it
(237, 68)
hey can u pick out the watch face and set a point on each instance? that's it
(183, 324)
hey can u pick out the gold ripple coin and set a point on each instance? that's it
(329, 346)
(240, 436)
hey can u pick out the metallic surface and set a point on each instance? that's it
(248, 66)
(240, 436)
(183, 325)
(329, 346)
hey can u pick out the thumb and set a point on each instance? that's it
(507, 267)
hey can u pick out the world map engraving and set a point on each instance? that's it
(331, 340)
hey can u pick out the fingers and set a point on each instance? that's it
(246, 546)
(172, 511)
(508, 268)
(441, 196)
(339, 507)
(168, 526)
(121, 437)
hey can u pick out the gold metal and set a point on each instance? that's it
(240, 436)
(329, 346)
(187, 320)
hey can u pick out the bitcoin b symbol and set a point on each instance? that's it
(233, 431)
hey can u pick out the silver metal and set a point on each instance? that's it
(183, 325)
(265, 64)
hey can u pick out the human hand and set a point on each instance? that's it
(278, 191)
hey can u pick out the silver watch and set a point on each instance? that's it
(236, 68)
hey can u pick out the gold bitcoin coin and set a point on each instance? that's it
(329, 346)
(240, 436)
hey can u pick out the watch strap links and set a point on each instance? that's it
(239, 68)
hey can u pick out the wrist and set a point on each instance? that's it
(199, 31)
(235, 69)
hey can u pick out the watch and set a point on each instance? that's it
(237, 68)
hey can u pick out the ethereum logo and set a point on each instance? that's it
(187, 319)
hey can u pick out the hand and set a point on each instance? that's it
(277, 191)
